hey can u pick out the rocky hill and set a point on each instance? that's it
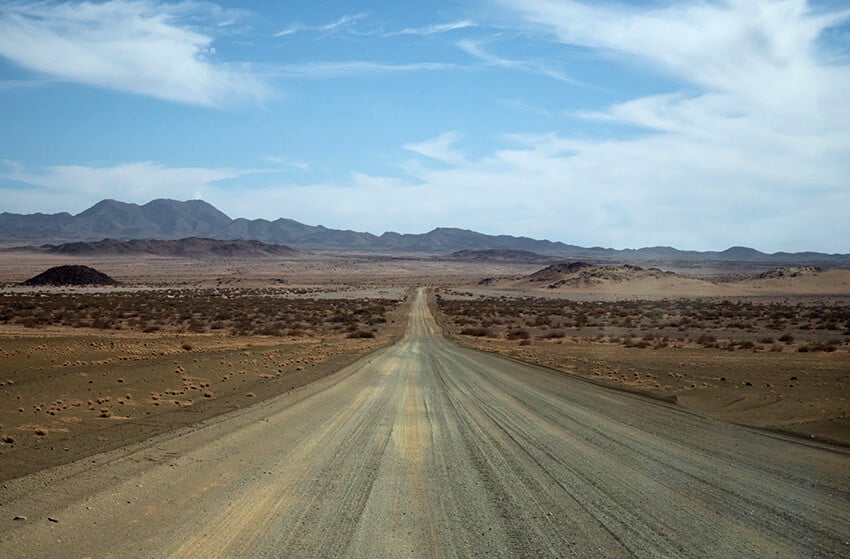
(583, 274)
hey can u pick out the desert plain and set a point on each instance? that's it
(90, 369)
(399, 403)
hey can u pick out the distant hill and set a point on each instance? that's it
(583, 274)
(172, 220)
(159, 219)
(191, 247)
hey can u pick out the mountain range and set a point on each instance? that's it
(171, 220)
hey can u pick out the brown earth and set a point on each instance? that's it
(322, 272)
(738, 368)
(68, 393)
(428, 449)
(52, 373)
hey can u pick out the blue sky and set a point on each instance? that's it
(700, 125)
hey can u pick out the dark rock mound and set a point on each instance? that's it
(555, 271)
(790, 272)
(583, 274)
(71, 275)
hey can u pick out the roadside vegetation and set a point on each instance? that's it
(238, 312)
(730, 325)
(776, 364)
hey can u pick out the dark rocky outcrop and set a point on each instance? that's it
(70, 275)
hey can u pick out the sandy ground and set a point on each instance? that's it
(805, 394)
(428, 449)
(825, 283)
(775, 362)
(322, 272)
(66, 393)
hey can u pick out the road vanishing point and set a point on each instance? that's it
(427, 449)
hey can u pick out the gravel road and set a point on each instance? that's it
(425, 449)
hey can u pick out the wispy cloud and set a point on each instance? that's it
(134, 46)
(343, 69)
(6, 85)
(736, 46)
(434, 29)
(476, 49)
(439, 148)
(285, 162)
(343, 22)
(752, 145)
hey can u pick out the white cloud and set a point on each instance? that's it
(753, 147)
(439, 148)
(343, 22)
(347, 68)
(285, 162)
(136, 46)
(476, 49)
(434, 29)
(716, 44)
(645, 192)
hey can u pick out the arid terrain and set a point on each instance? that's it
(425, 448)
(770, 349)
(129, 367)
(181, 339)
(180, 344)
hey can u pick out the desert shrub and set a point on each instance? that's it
(707, 340)
(479, 332)
(553, 334)
(828, 346)
(239, 311)
(361, 334)
(518, 334)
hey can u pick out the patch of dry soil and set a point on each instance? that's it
(69, 393)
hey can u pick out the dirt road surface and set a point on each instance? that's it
(425, 449)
